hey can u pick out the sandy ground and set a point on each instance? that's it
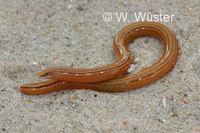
(35, 35)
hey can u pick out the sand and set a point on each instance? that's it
(35, 35)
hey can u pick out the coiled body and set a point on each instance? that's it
(102, 78)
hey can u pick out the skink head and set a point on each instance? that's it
(44, 74)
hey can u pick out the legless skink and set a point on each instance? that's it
(102, 78)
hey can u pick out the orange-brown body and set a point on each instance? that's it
(102, 78)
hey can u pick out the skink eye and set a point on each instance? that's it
(45, 74)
